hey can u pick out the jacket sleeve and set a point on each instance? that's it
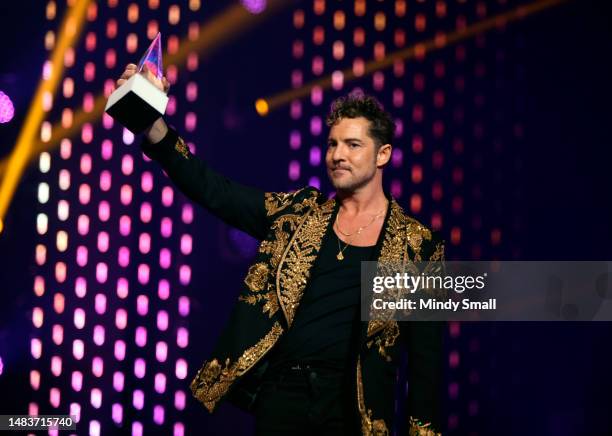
(237, 205)
(424, 342)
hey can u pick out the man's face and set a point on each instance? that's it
(351, 154)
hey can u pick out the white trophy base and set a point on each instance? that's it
(136, 104)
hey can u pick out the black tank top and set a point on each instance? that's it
(326, 323)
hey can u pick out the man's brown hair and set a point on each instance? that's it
(358, 104)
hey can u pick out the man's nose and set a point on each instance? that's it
(338, 153)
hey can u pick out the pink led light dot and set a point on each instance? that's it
(158, 415)
(187, 214)
(186, 244)
(56, 366)
(167, 196)
(79, 318)
(75, 410)
(160, 383)
(78, 349)
(117, 413)
(140, 368)
(179, 400)
(118, 381)
(165, 258)
(121, 319)
(96, 398)
(161, 351)
(179, 429)
(123, 257)
(143, 274)
(97, 366)
(182, 337)
(99, 335)
(146, 212)
(104, 211)
(80, 287)
(163, 289)
(181, 369)
(137, 426)
(122, 288)
(103, 241)
(125, 224)
(183, 305)
(55, 397)
(162, 320)
(138, 400)
(36, 348)
(101, 272)
(142, 305)
(77, 381)
(166, 227)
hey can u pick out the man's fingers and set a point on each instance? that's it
(127, 74)
(131, 69)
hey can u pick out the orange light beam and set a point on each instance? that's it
(71, 27)
(420, 49)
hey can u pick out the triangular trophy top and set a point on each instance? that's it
(153, 58)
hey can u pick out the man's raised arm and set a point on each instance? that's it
(240, 206)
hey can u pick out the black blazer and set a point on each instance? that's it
(290, 227)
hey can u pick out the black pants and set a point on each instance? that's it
(305, 400)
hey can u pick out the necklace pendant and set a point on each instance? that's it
(340, 256)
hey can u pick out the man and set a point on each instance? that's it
(295, 352)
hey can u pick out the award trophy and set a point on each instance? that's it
(138, 103)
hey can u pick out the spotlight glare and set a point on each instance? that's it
(254, 6)
(261, 106)
(7, 110)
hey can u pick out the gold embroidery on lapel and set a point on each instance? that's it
(257, 280)
(257, 277)
(393, 252)
(283, 226)
(214, 380)
(182, 148)
(270, 297)
(438, 254)
(299, 256)
(369, 427)
(401, 230)
(386, 339)
(416, 233)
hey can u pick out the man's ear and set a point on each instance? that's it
(384, 155)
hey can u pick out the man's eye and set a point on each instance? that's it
(353, 144)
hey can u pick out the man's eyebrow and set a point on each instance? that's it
(332, 140)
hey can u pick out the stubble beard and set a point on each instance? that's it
(352, 184)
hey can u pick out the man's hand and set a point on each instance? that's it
(131, 69)
(158, 129)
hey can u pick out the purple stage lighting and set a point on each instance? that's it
(7, 110)
(254, 6)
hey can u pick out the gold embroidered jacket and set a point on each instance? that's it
(290, 227)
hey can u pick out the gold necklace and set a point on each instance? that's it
(360, 229)
(340, 255)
